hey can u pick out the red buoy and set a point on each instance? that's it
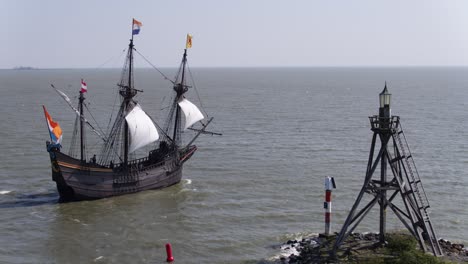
(170, 258)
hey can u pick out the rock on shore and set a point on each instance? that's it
(315, 249)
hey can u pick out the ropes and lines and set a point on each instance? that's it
(97, 124)
(116, 95)
(154, 67)
(196, 90)
(203, 122)
(112, 58)
(74, 144)
(67, 99)
(109, 152)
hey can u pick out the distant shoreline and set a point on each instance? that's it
(24, 68)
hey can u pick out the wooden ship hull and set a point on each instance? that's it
(86, 181)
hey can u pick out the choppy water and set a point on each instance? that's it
(243, 193)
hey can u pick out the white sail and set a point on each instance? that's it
(141, 128)
(191, 112)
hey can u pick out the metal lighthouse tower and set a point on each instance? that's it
(398, 177)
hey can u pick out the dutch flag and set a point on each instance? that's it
(136, 27)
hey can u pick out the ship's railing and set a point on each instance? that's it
(384, 123)
(143, 162)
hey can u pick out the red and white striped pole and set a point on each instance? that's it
(329, 184)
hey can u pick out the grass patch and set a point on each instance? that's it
(405, 249)
(401, 248)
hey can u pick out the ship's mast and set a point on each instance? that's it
(82, 146)
(180, 89)
(127, 99)
(127, 92)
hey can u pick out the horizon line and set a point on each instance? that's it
(31, 68)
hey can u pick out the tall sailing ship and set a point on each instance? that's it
(117, 169)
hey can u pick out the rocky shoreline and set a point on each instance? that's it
(315, 249)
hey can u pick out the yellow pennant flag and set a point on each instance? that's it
(188, 45)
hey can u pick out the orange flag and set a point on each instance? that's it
(188, 45)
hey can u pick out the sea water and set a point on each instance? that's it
(242, 194)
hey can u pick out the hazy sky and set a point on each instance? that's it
(88, 33)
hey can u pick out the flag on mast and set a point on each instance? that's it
(136, 25)
(84, 87)
(188, 45)
(54, 128)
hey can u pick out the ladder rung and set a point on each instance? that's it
(415, 182)
(408, 157)
(396, 159)
(424, 207)
(408, 192)
(400, 132)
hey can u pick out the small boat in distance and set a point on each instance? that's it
(122, 166)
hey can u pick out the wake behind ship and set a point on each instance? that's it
(118, 169)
